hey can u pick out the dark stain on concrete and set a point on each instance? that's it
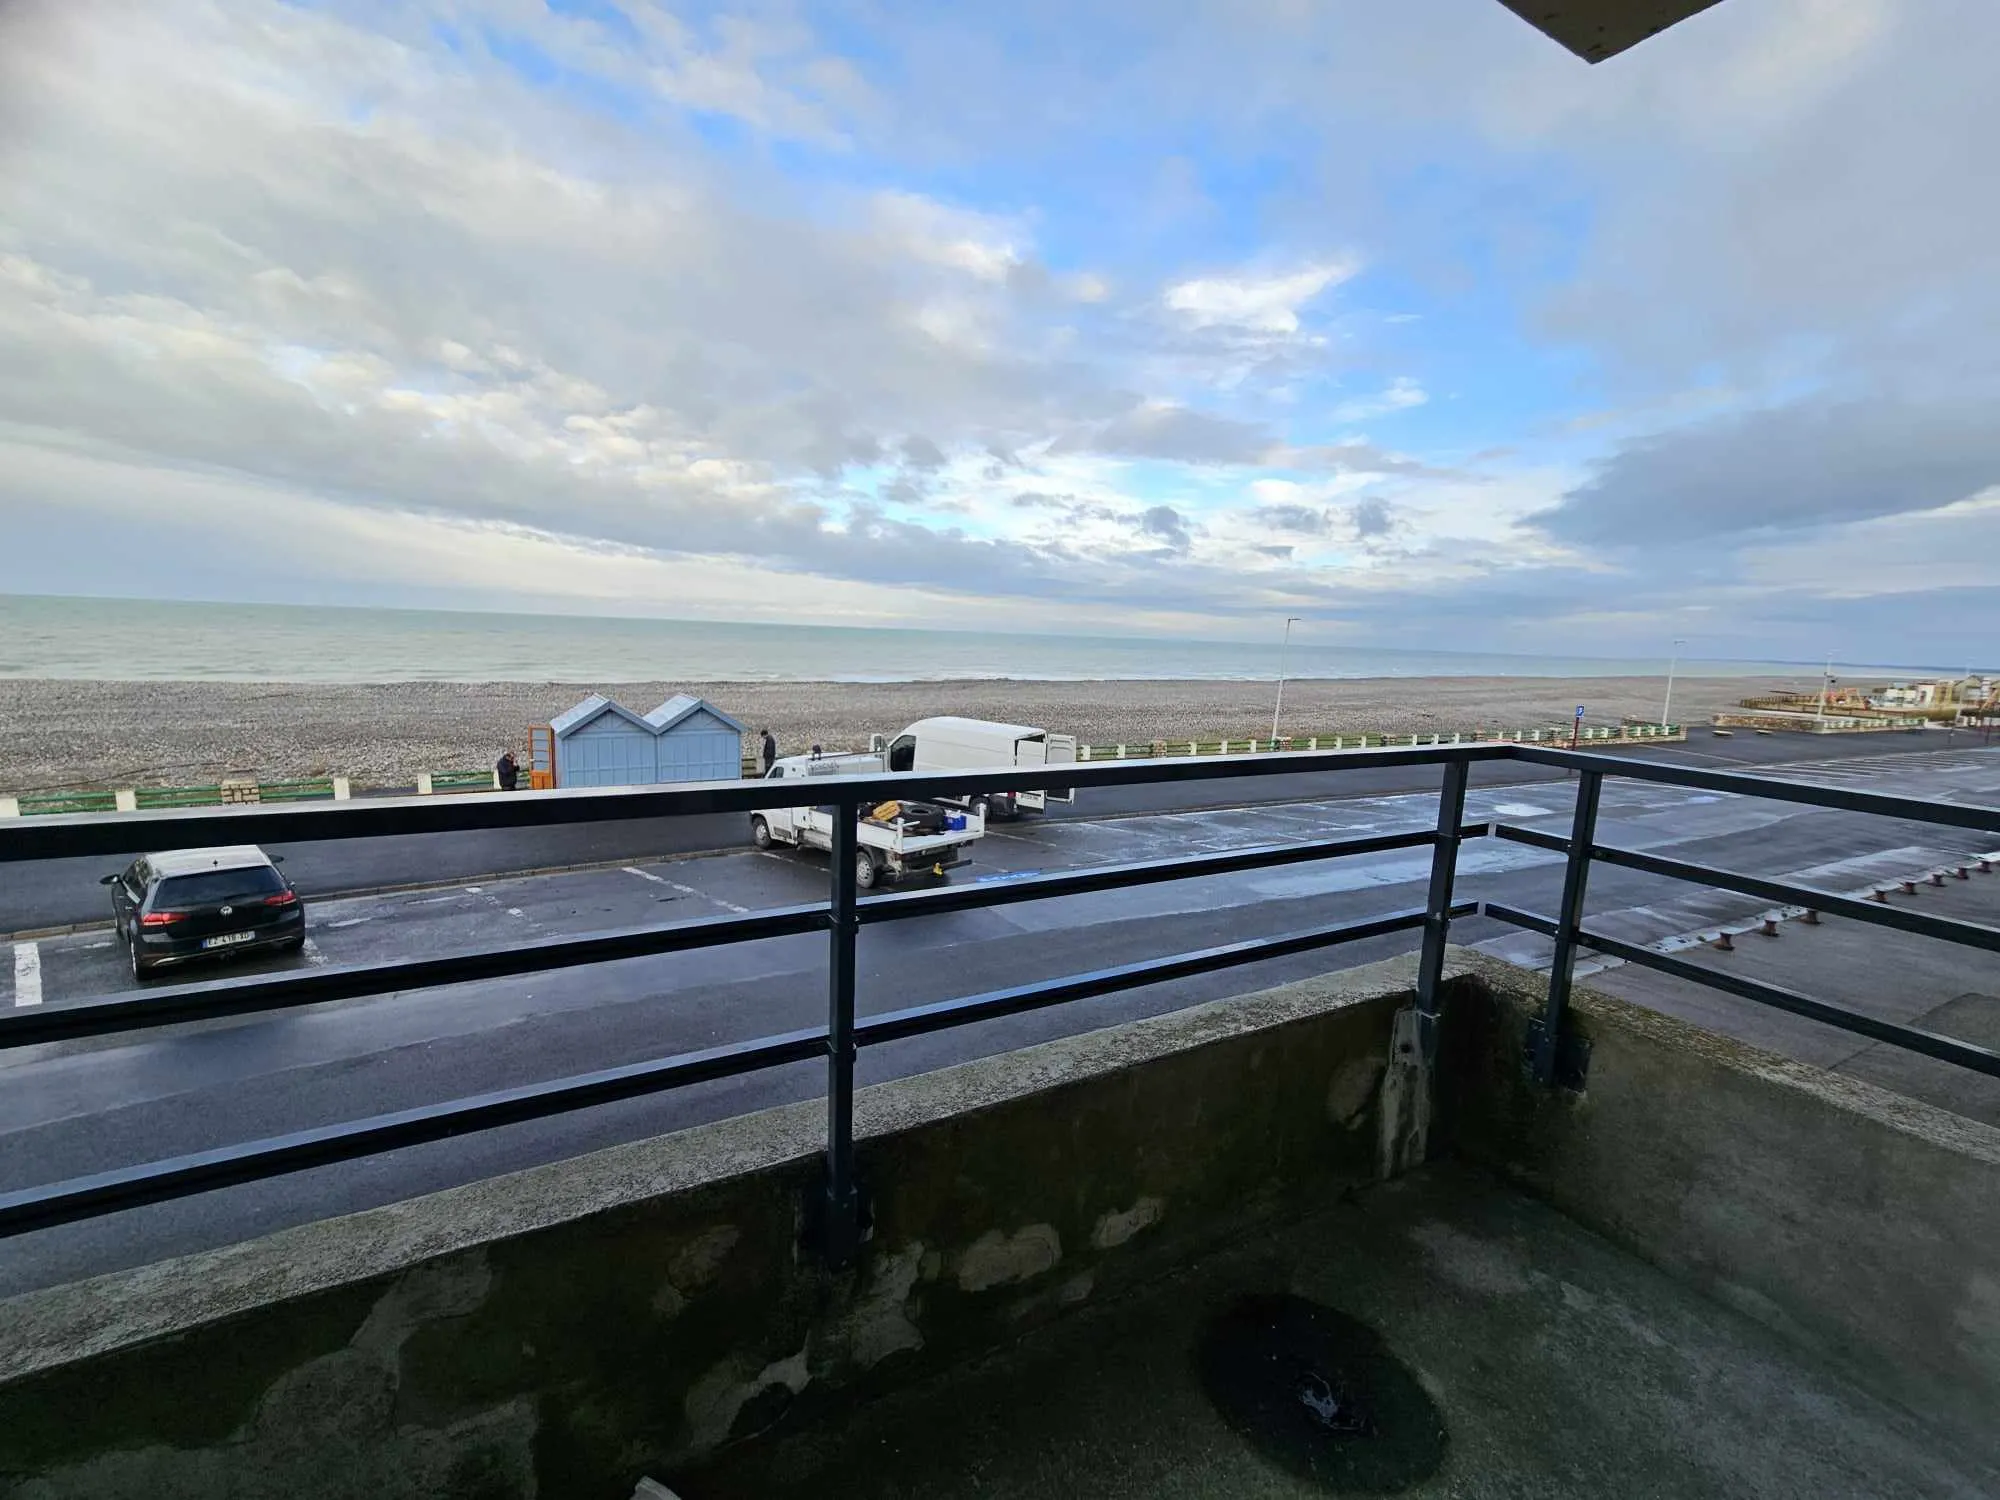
(1319, 1394)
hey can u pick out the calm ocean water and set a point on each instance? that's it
(129, 638)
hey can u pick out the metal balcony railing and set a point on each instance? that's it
(843, 914)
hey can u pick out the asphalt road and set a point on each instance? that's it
(70, 1109)
(50, 894)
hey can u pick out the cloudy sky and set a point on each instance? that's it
(1125, 316)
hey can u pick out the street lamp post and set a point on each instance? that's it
(1279, 707)
(1667, 707)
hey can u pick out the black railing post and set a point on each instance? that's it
(841, 1226)
(1569, 922)
(1437, 904)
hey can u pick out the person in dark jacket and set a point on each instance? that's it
(770, 751)
(508, 769)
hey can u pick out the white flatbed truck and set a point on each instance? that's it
(893, 840)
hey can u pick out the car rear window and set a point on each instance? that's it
(213, 887)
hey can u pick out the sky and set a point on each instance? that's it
(1120, 317)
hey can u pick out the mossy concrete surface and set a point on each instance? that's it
(563, 1330)
(1562, 1368)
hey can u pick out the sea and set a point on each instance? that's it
(128, 639)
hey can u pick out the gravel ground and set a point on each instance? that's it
(97, 734)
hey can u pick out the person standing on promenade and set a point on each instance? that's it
(508, 769)
(770, 751)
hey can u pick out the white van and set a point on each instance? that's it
(953, 744)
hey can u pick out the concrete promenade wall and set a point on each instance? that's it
(1860, 1224)
(564, 1330)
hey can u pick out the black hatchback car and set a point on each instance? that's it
(203, 903)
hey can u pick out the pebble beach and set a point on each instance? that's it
(67, 733)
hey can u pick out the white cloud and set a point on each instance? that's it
(1400, 394)
(1261, 304)
(582, 340)
(983, 246)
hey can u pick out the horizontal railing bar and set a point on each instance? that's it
(1517, 916)
(80, 835)
(1881, 914)
(177, 1177)
(1005, 892)
(30, 1026)
(943, 1015)
(1842, 799)
(1910, 1038)
(64, 836)
(253, 1161)
(1535, 836)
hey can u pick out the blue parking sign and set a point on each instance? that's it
(1579, 710)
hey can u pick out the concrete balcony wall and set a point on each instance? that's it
(561, 1331)
(564, 1330)
(1861, 1224)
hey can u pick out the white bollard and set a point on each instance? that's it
(126, 800)
(1454, 738)
(423, 783)
(341, 791)
(1121, 752)
(1193, 748)
(1313, 743)
(1083, 752)
(1340, 742)
(10, 807)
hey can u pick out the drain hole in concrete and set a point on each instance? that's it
(1316, 1392)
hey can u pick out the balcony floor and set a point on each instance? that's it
(1560, 1365)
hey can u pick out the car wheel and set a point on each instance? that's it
(141, 970)
(760, 833)
(866, 871)
(982, 807)
(297, 944)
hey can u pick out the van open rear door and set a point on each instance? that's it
(1045, 750)
(1027, 753)
(1061, 752)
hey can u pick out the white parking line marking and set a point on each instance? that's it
(729, 906)
(312, 953)
(348, 922)
(688, 890)
(475, 890)
(27, 974)
(514, 911)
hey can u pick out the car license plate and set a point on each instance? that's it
(226, 939)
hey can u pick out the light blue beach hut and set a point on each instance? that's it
(696, 741)
(602, 743)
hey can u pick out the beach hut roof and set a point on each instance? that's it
(573, 719)
(679, 707)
